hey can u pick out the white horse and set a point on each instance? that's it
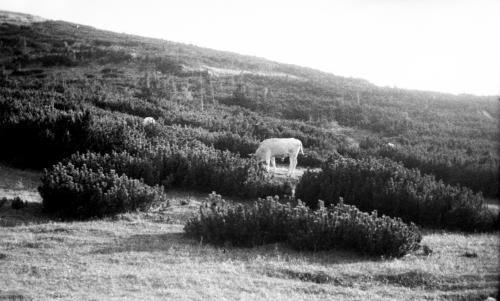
(271, 148)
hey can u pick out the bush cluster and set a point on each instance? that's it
(138, 107)
(38, 129)
(471, 166)
(15, 203)
(269, 221)
(386, 186)
(194, 166)
(38, 138)
(452, 137)
(81, 192)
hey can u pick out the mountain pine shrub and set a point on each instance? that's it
(390, 188)
(81, 192)
(38, 137)
(269, 221)
(193, 166)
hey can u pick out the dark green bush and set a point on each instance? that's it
(18, 203)
(39, 137)
(113, 133)
(80, 192)
(219, 222)
(194, 166)
(345, 226)
(269, 221)
(136, 106)
(121, 162)
(167, 65)
(386, 186)
(38, 129)
(15, 203)
(235, 143)
(57, 60)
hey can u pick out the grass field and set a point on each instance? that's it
(144, 256)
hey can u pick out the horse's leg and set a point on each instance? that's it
(290, 165)
(294, 165)
(268, 159)
(273, 163)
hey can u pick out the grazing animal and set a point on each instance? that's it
(391, 145)
(271, 148)
(148, 120)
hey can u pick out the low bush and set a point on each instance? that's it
(192, 165)
(235, 143)
(40, 129)
(345, 226)
(113, 133)
(15, 203)
(269, 221)
(81, 192)
(18, 203)
(136, 106)
(39, 138)
(386, 186)
(52, 60)
(28, 72)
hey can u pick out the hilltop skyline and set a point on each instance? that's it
(441, 46)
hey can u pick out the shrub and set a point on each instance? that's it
(39, 129)
(137, 107)
(192, 165)
(235, 143)
(112, 133)
(18, 203)
(345, 226)
(57, 60)
(219, 222)
(15, 203)
(167, 65)
(80, 192)
(38, 138)
(36, 72)
(121, 162)
(269, 221)
(311, 158)
(386, 186)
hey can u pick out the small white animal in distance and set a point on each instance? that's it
(148, 121)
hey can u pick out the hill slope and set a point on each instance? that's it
(76, 94)
(452, 137)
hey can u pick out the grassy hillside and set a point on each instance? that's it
(452, 137)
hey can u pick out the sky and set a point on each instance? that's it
(439, 45)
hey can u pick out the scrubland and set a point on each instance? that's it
(103, 200)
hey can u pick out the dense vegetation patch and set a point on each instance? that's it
(64, 91)
(269, 221)
(388, 187)
(80, 192)
(193, 166)
(54, 134)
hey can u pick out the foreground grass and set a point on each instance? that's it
(144, 256)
